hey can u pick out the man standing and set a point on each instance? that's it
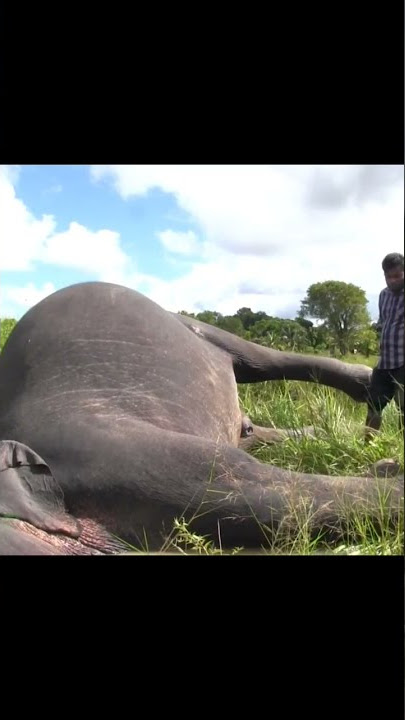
(387, 379)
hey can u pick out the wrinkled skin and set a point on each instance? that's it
(118, 417)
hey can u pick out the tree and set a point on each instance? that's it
(266, 331)
(294, 335)
(279, 333)
(249, 318)
(342, 306)
(367, 342)
(209, 316)
(231, 323)
(319, 337)
(7, 325)
(307, 324)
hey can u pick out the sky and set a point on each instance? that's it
(198, 237)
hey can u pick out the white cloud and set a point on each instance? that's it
(21, 234)
(260, 209)
(15, 301)
(184, 243)
(229, 283)
(270, 232)
(82, 249)
(26, 240)
(10, 173)
(28, 295)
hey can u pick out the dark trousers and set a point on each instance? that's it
(385, 385)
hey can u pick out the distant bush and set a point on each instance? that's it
(7, 325)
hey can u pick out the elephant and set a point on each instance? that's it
(118, 416)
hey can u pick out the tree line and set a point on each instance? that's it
(345, 325)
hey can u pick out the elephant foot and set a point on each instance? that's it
(384, 468)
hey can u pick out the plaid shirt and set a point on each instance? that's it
(391, 324)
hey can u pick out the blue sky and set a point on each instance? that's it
(67, 193)
(197, 237)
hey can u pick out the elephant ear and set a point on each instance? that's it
(28, 490)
